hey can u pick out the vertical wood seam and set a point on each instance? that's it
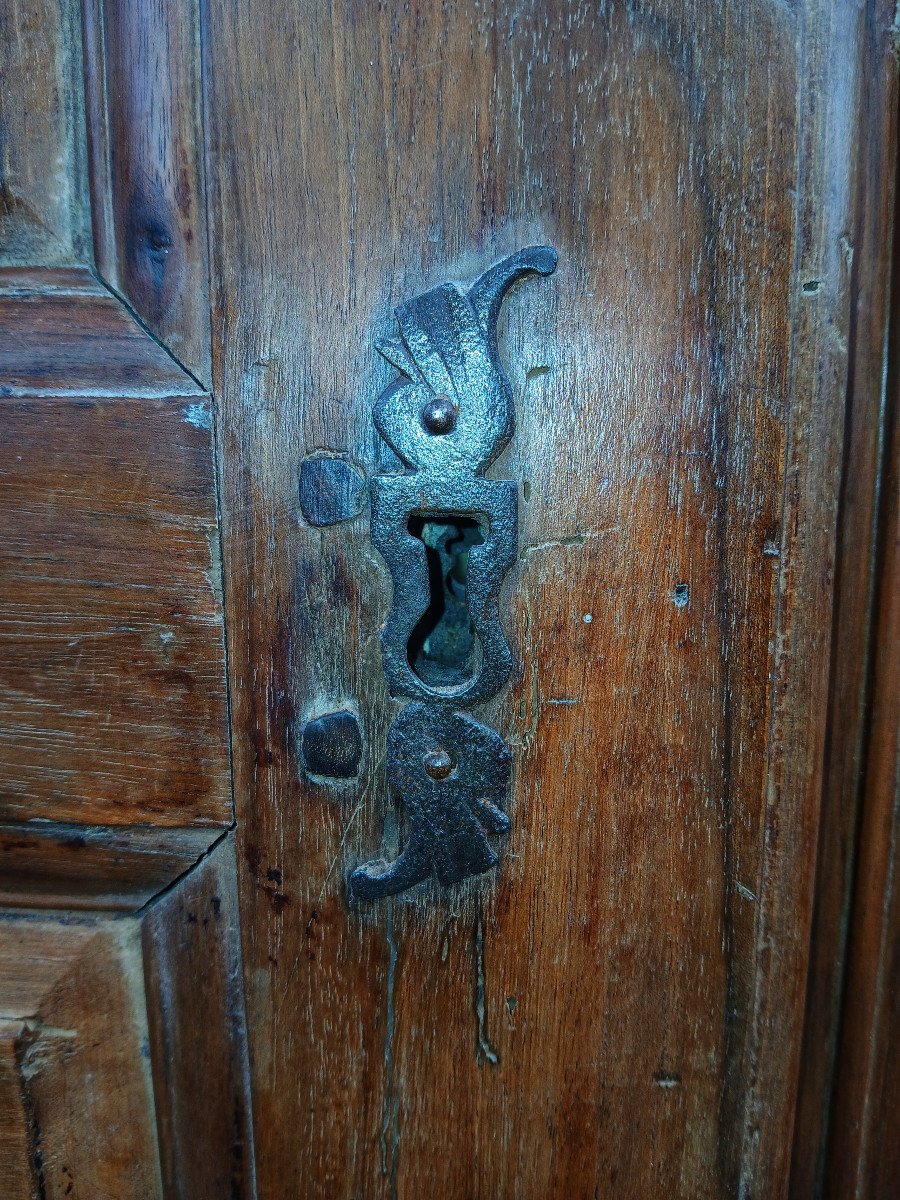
(866, 196)
(816, 113)
(240, 983)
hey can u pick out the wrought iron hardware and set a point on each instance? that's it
(448, 536)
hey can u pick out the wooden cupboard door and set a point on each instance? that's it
(618, 1008)
(675, 979)
(122, 1061)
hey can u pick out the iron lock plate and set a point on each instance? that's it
(448, 536)
(447, 416)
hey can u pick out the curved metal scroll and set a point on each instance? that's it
(447, 417)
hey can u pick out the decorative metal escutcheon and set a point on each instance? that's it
(448, 536)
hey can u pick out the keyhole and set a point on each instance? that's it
(443, 648)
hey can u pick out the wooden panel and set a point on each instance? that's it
(113, 708)
(870, 240)
(864, 1145)
(61, 333)
(82, 1074)
(143, 85)
(198, 1035)
(43, 189)
(47, 865)
(16, 1159)
(620, 1012)
(113, 703)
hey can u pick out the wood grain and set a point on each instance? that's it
(16, 1166)
(114, 760)
(620, 1011)
(62, 333)
(47, 865)
(113, 700)
(864, 1144)
(43, 179)
(198, 1035)
(146, 156)
(833, 44)
(75, 988)
(855, 580)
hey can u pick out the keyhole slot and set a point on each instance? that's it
(443, 649)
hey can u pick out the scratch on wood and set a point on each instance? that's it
(198, 415)
(390, 1129)
(576, 539)
(35, 1132)
(666, 1079)
(340, 850)
(485, 1049)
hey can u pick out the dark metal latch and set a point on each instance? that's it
(448, 536)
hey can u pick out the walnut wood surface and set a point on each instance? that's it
(855, 583)
(114, 758)
(198, 1035)
(43, 179)
(62, 333)
(864, 1143)
(113, 703)
(146, 162)
(78, 1113)
(86, 1105)
(16, 1165)
(44, 864)
(620, 1011)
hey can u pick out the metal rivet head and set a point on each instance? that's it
(438, 763)
(439, 415)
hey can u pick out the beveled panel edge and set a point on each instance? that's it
(146, 167)
(64, 333)
(49, 865)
